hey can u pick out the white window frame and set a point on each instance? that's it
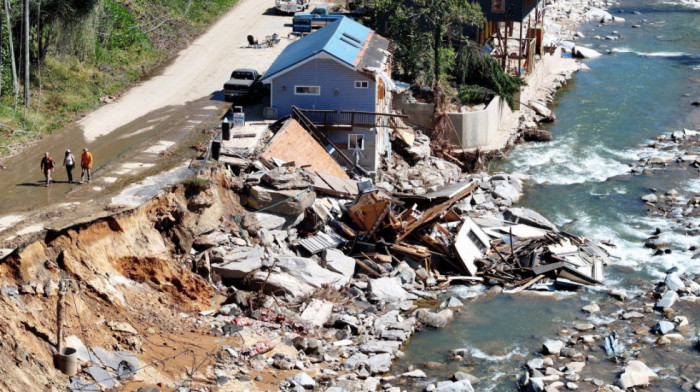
(361, 84)
(362, 141)
(296, 90)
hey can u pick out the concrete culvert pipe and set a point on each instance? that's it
(67, 361)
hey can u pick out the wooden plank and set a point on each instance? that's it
(433, 212)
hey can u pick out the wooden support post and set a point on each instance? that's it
(520, 48)
(59, 316)
(510, 233)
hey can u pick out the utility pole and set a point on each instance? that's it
(15, 86)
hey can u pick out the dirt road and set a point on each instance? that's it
(146, 131)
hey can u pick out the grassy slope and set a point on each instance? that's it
(73, 80)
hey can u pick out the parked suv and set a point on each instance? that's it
(244, 85)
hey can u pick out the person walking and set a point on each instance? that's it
(69, 163)
(47, 165)
(86, 165)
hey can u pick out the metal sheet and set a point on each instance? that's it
(321, 242)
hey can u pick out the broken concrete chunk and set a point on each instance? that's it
(122, 327)
(105, 290)
(303, 379)
(317, 312)
(528, 217)
(262, 220)
(104, 379)
(238, 262)
(309, 272)
(285, 202)
(279, 283)
(337, 261)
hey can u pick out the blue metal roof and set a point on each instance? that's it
(342, 39)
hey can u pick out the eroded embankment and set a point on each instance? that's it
(144, 245)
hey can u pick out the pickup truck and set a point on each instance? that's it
(244, 84)
(303, 22)
(291, 6)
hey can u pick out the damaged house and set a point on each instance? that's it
(339, 78)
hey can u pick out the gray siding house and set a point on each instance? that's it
(339, 76)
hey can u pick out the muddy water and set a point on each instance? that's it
(22, 183)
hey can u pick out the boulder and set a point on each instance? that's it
(387, 289)
(663, 327)
(674, 282)
(456, 386)
(285, 202)
(262, 220)
(592, 308)
(379, 363)
(667, 301)
(552, 347)
(379, 346)
(288, 178)
(636, 374)
(584, 53)
(303, 379)
(650, 198)
(433, 320)
(597, 14)
(356, 360)
(452, 302)
(337, 261)
(541, 109)
(506, 191)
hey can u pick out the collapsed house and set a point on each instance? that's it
(448, 234)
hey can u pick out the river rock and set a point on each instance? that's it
(650, 198)
(354, 361)
(379, 346)
(528, 217)
(620, 294)
(433, 320)
(506, 191)
(552, 346)
(636, 374)
(674, 282)
(584, 53)
(451, 302)
(387, 289)
(303, 379)
(592, 308)
(667, 301)
(660, 160)
(379, 363)
(454, 386)
(291, 202)
(663, 327)
(415, 374)
(597, 14)
(575, 367)
(337, 261)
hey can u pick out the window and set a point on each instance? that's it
(356, 142)
(361, 84)
(307, 90)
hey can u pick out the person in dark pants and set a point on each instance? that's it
(86, 165)
(46, 166)
(69, 164)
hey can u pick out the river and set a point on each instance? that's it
(606, 118)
